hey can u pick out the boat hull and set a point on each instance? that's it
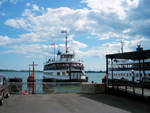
(64, 80)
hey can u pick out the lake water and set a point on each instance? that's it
(96, 77)
(49, 88)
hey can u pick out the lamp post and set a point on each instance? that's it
(133, 76)
(133, 81)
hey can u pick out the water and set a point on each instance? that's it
(52, 88)
(95, 77)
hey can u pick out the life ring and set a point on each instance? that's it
(25, 92)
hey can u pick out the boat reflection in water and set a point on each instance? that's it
(61, 87)
(48, 88)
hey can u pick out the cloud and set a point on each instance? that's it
(104, 20)
(106, 36)
(126, 30)
(30, 37)
(0, 3)
(17, 23)
(23, 38)
(28, 4)
(77, 44)
(35, 7)
(28, 49)
(83, 21)
(119, 7)
(3, 14)
(4, 40)
(47, 27)
(10, 1)
(115, 47)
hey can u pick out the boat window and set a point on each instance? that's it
(58, 73)
(0, 80)
(4, 80)
(63, 73)
(51, 73)
(76, 76)
(73, 76)
(79, 75)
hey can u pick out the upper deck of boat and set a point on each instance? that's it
(135, 55)
(63, 62)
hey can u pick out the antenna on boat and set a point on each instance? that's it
(139, 48)
(63, 31)
(121, 45)
(53, 44)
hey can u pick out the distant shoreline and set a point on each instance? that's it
(94, 71)
(11, 70)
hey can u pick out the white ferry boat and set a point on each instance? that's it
(129, 69)
(130, 66)
(64, 68)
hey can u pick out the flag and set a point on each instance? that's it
(63, 31)
(52, 44)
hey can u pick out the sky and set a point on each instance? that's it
(95, 28)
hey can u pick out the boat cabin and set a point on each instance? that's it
(67, 57)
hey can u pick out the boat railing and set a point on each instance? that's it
(128, 68)
(64, 68)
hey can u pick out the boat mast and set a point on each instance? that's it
(54, 52)
(121, 46)
(66, 43)
(121, 42)
(66, 40)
